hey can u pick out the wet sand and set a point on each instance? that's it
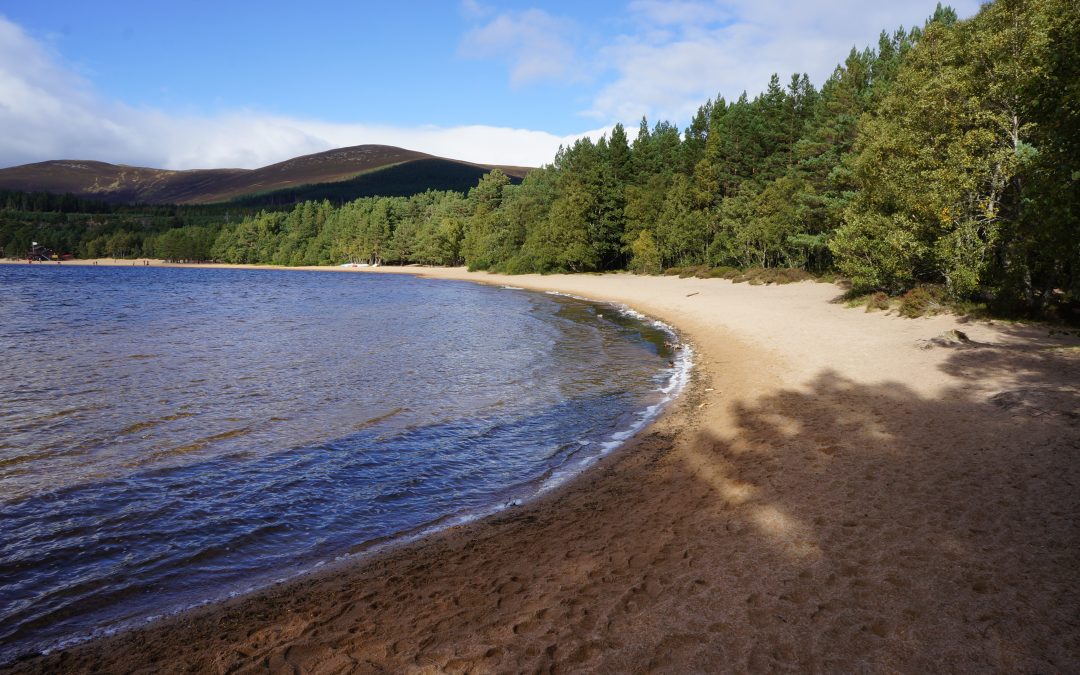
(835, 491)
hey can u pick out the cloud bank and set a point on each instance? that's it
(48, 112)
(660, 58)
(675, 55)
(667, 57)
(535, 45)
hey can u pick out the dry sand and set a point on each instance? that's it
(835, 492)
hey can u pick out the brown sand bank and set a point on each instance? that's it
(834, 493)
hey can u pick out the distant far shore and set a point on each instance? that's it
(837, 490)
(156, 262)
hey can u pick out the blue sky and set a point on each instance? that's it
(206, 84)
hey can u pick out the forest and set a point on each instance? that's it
(943, 157)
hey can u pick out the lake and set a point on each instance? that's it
(170, 437)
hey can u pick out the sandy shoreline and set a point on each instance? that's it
(832, 493)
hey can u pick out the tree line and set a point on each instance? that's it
(945, 155)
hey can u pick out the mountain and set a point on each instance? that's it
(339, 175)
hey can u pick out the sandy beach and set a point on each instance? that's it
(836, 491)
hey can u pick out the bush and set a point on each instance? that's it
(516, 265)
(877, 301)
(756, 276)
(724, 272)
(700, 272)
(922, 301)
(831, 277)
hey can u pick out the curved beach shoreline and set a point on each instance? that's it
(835, 491)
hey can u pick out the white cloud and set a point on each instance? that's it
(663, 12)
(474, 9)
(680, 53)
(47, 112)
(533, 43)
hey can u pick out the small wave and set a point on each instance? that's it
(381, 418)
(177, 416)
(140, 426)
(65, 413)
(187, 448)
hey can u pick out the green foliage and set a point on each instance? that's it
(681, 229)
(724, 272)
(646, 256)
(949, 166)
(190, 243)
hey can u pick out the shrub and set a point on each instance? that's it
(747, 275)
(724, 272)
(516, 265)
(701, 272)
(790, 275)
(877, 301)
(922, 301)
(756, 276)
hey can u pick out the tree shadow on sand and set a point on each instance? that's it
(906, 533)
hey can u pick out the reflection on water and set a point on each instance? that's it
(169, 435)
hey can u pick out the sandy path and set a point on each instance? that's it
(827, 496)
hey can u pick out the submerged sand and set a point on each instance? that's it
(836, 491)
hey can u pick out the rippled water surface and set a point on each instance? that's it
(172, 436)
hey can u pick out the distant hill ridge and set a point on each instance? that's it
(344, 173)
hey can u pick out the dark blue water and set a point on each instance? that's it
(174, 436)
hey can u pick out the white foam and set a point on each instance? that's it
(676, 381)
(569, 295)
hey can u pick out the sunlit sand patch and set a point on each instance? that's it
(714, 472)
(737, 491)
(786, 531)
(785, 425)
